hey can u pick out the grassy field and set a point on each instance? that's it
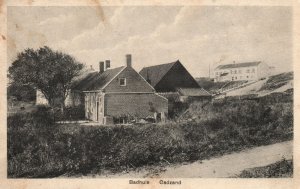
(37, 147)
(281, 169)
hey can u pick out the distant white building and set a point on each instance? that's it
(241, 71)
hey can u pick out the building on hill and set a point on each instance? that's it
(116, 93)
(173, 78)
(241, 71)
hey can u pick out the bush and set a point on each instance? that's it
(38, 148)
(73, 113)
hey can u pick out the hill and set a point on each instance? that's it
(274, 84)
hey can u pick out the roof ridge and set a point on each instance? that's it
(161, 64)
(237, 64)
(157, 72)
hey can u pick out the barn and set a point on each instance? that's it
(172, 79)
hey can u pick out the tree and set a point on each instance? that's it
(49, 71)
(25, 93)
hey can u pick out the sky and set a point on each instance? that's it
(201, 37)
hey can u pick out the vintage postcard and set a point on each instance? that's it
(150, 94)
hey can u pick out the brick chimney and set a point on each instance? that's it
(101, 67)
(128, 60)
(107, 64)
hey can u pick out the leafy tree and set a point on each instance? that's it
(49, 71)
(25, 93)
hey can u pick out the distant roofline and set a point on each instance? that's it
(237, 65)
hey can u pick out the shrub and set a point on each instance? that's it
(38, 148)
(73, 113)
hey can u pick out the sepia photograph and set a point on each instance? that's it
(150, 92)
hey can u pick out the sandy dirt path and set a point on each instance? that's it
(220, 167)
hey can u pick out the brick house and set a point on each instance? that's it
(172, 79)
(112, 93)
(247, 71)
(120, 92)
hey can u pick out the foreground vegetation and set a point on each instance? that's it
(37, 147)
(280, 169)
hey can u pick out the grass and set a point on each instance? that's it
(277, 81)
(280, 169)
(38, 148)
(20, 107)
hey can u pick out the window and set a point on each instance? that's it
(253, 70)
(240, 71)
(122, 81)
(248, 71)
(235, 71)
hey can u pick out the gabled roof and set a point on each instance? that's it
(156, 73)
(193, 92)
(238, 65)
(95, 80)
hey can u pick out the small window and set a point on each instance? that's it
(122, 81)
(253, 70)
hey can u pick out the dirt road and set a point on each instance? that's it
(220, 167)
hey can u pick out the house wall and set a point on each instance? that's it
(40, 98)
(237, 74)
(177, 77)
(92, 112)
(74, 98)
(134, 82)
(134, 104)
